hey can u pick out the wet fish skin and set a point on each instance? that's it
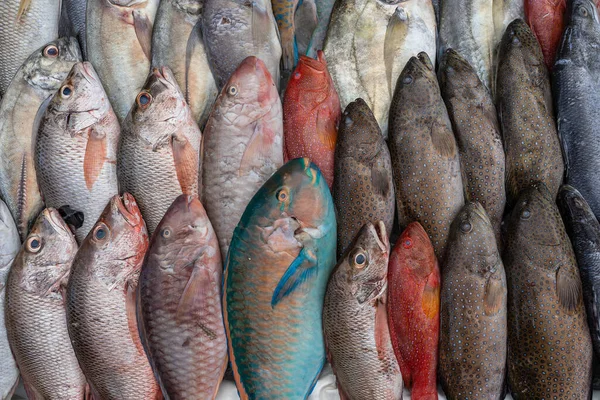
(413, 309)
(505, 12)
(324, 8)
(542, 275)
(179, 306)
(474, 119)
(363, 187)
(284, 12)
(22, 106)
(72, 22)
(101, 305)
(35, 311)
(473, 310)
(76, 147)
(546, 20)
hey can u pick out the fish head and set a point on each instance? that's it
(579, 218)
(518, 38)
(458, 78)
(359, 133)
(417, 79)
(583, 15)
(414, 250)
(311, 76)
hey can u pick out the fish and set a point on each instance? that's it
(177, 42)
(477, 131)
(281, 255)
(179, 303)
(26, 26)
(505, 12)
(472, 358)
(583, 230)
(576, 93)
(549, 344)
(76, 147)
(35, 312)
(20, 111)
(243, 145)
(368, 44)
(524, 104)
(72, 22)
(324, 9)
(305, 23)
(363, 186)
(101, 305)
(413, 310)
(546, 20)
(119, 45)
(311, 114)
(243, 28)
(284, 12)
(159, 155)
(425, 158)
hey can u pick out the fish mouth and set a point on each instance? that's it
(380, 234)
(55, 220)
(128, 208)
(87, 70)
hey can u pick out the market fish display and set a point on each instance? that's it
(76, 147)
(363, 187)
(35, 311)
(101, 305)
(279, 261)
(324, 9)
(284, 12)
(72, 22)
(242, 144)
(473, 310)
(22, 106)
(413, 308)
(549, 345)
(546, 20)
(425, 158)
(179, 306)
(368, 44)
(159, 155)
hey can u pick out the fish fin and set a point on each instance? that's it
(568, 288)
(143, 31)
(195, 292)
(23, 8)
(94, 158)
(326, 129)
(299, 271)
(395, 35)
(380, 181)
(565, 151)
(32, 394)
(131, 311)
(443, 140)
(305, 22)
(194, 39)
(186, 162)
(258, 146)
(493, 297)
(260, 25)
(382, 331)
(431, 298)
(88, 393)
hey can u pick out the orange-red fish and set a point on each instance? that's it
(546, 20)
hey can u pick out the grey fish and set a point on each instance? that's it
(505, 12)
(324, 9)
(72, 22)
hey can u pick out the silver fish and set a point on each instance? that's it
(72, 21)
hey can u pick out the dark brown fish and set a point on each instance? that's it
(363, 188)
(549, 344)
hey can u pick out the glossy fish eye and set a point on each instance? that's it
(407, 80)
(101, 232)
(66, 91)
(360, 259)
(283, 195)
(525, 214)
(166, 233)
(232, 91)
(466, 227)
(51, 51)
(143, 100)
(583, 11)
(407, 244)
(297, 75)
(34, 244)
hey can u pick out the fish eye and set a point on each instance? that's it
(51, 51)
(407, 80)
(143, 100)
(34, 244)
(166, 233)
(66, 91)
(297, 75)
(407, 243)
(360, 259)
(283, 195)
(583, 11)
(232, 91)
(101, 232)
(525, 214)
(466, 227)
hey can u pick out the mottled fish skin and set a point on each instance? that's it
(425, 158)
(413, 308)
(284, 12)
(101, 305)
(576, 89)
(159, 155)
(368, 44)
(324, 8)
(584, 231)
(244, 28)
(473, 310)
(72, 22)
(524, 105)
(179, 305)
(242, 144)
(20, 111)
(76, 148)
(549, 345)
(119, 39)
(177, 42)
(280, 259)
(24, 31)
(547, 22)
(35, 312)
(475, 122)
(363, 188)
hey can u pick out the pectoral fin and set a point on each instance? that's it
(326, 129)
(431, 299)
(195, 292)
(94, 158)
(258, 146)
(300, 270)
(443, 139)
(493, 297)
(379, 180)
(186, 162)
(568, 288)
(130, 309)
(23, 8)
(395, 35)
(143, 31)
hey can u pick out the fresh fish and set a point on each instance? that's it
(35, 312)
(179, 306)
(505, 12)
(101, 305)
(524, 106)
(20, 111)
(324, 8)
(159, 155)
(281, 255)
(473, 310)
(119, 40)
(242, 144)
(245, 29)
(26, 26)
(305, 22)
(72, 22)
(76, 147)
(473, 116)
(413, 308)
(425, 159)
(576, 89)
(177, 42)
(368, 44)
(284, 12)
(546, 20)
(363, 187)
(311, 114)
(549, 345)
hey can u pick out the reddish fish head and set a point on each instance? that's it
(311, 73)
(414, 251)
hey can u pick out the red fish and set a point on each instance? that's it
(546, 20)
(414, 310)
(311, 113)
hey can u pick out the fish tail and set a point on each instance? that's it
(289, 48)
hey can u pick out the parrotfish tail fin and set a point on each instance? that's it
(23, 8)
(194, 40)
(186, 162)
(568, 288)
(143, 31)
(395, 35)
(305, 23)
(300, 270)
